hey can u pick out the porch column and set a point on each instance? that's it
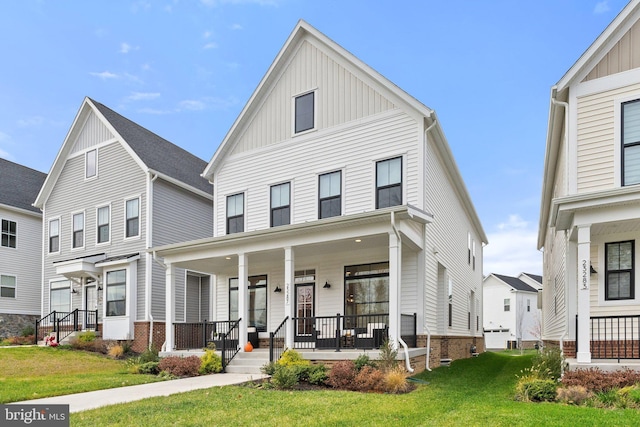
(395, 253)
(289, 294)
(243, 299)
(583, 354)
(170, 306)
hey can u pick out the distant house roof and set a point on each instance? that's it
(156, 152)
(20, 185)
(516, 283)
(534, 277)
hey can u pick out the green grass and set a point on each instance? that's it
(477, 392)
(34, 372)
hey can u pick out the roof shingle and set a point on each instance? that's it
(20, 185)
(516, 283)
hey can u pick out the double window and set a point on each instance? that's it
(54, 236)
(78, 230)
(9, 232)
(104, 219)
(620, 271)
(116, 293)
(304, 112)
(235, 213)
(280, 204)
(257, 302)
(389, 183)
(330, 195)
(7, 286)
(132, 218)
(631, 142)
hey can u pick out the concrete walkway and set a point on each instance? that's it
(95, 399)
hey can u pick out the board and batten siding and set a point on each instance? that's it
(353, 149)
(23, 262)
(447, 245)
(93, 132)
(623, 56)
(596, 138)
(341, 97)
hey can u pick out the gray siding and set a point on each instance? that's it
(193, 299)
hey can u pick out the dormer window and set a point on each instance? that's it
(91, 163)
(304, 112)
(631, 142)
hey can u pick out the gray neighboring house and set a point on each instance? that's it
(114, 190)
(21, 240)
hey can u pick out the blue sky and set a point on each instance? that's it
(184, 70)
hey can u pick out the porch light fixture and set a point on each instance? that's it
(592, 270)
(73, 291)
(326, 285)
(358, 240)
(277, 290)
(99, 287)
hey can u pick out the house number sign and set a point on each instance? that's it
(585, 271)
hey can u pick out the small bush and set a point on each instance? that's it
(549, 363)
(317, 374)
(291, 357)
(269, 368)
(342, 375)
(536, 390)
(149, 355)
(395, 380)
(573, 395)
(21, 340)
(595, 380)
(28, 331)
(116, 351)
(370, 379)
(88, 336)
(362, 361)
(180, 366)
(211, 363)
(285, 378)
(151, 368)
(388, 357)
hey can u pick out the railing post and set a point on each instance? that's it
(270, 346)
(338, 332)
(204, 333)
(95, 320)
(75, 320)
(35, 339)
(415, 329)
(57, 330)
(576, 337)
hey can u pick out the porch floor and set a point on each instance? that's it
(606, 365)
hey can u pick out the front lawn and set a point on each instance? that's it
(34, 372)
(476, 391)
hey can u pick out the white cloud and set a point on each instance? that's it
(126, 47)
(193, 105)
(211, 45)
(601, 7)
(236, 27)
(31, 121)
(154, 111)
(143, 96)
(206, 34)
(512, 248)
(105, 75)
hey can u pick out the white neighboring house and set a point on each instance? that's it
(512, 318)
(340, 215)
(20, 243)
(590, 209)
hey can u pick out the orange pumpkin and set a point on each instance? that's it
(248, 347)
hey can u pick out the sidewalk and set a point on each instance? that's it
(95, 399)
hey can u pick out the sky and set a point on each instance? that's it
(185, 69)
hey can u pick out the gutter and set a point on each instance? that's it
(407, 359)
(565, 105)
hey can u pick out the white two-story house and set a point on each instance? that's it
(20, 243)
(590, 210)
(116, 189)
(340, 217)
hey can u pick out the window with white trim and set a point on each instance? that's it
(631, 142)
(389, 183)
(60, 296)
(235, 213)
(103, 223)
(304, 112)
(132, 217)
(280, 204)
(9, 233)
(7, 286)
(91, 163)
(528, 305)
(78, 230)
(54, 235)
(257, 308)
(116, 293)
(507, 304)
(620, 271)
(330, 195)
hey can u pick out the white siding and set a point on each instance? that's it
(554, 306)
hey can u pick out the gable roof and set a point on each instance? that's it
(153, 153)
(20, 185)
(515, 283)
(534, 277)
(302, 31)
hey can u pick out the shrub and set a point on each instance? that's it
(285, 378)
(573, 395)
(149, 355)
(369, 379)
(597, 381)
(269, 368)
(116, 351)
(536, 390)
(388, 356)
(395, 380)
(362, 361)
(317, 374)
(28, 331)
(88, 336)
(342, 375)
(548, 363)
(291, 357)
(211, 363)
(149, 368)
(21, 340)
(180, 366)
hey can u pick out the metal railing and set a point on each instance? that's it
(229, 343)
(277, 341)
(200, 334)
(614, 337)
(64, 323)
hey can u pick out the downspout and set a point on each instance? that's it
(149, 273)
(164, 344)
(407, 359)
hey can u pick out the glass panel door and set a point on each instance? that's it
(304, 308)
(90, 303)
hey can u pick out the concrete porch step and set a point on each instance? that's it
(248, 363)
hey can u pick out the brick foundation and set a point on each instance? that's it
(141, 336)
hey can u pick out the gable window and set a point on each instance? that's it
(468, 248)
(528, 305)
(235, 213)
(631, 142)
(60, 296)
(9, 233)
(116, 293)
(257, 302)
(507, 304)
(304, 114)
(366, 291)
(473, 250)
(389, 183)
(104, 234)
(330, 195)
(91, 163)
(620, 272)
(133, 217)
(78, 230)
(7, 286)
(280, 204)
(54, 235)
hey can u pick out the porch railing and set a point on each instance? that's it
(64, 323)
(615, 337)
(277, 341)
(365, 331)
(200, 334)
(229, 343)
